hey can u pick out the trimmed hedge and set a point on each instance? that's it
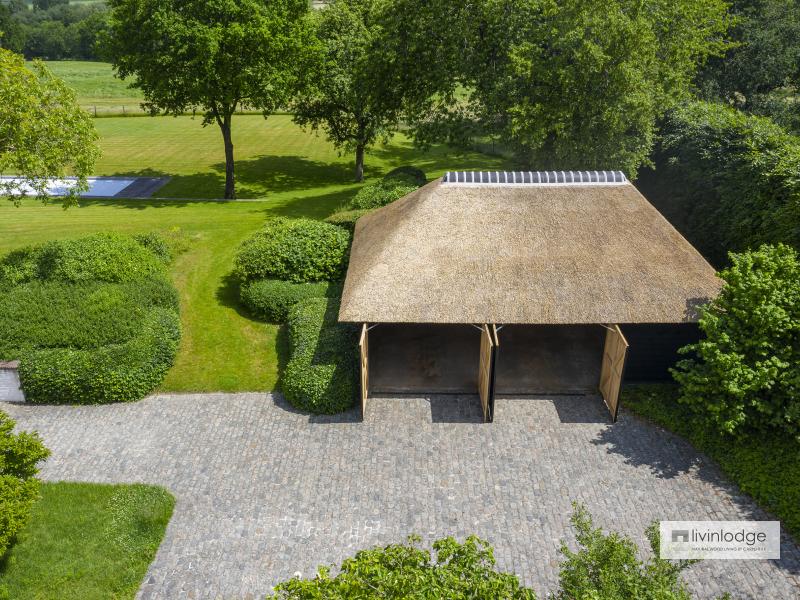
(380, 193)
(408, 173)
(321, 376)
(91, 320)
(271, 299)
(53, 314)
(108, 257)
(297, 250)
(347, 218)
(19, 456)
(114, 373)
(727, 180)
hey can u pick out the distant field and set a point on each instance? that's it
(295, 173)
(97, 87)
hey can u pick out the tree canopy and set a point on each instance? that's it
(44, 134)
(348, 98)
(572, 84)
(215, 56)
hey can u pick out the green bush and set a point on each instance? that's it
(297, 250)
(53, 314)
(321, 375)
(410, 174)
(114, 373)
(155, 244)
(380, 193)
(745, 374)
(763, 466)
(727, 180)
(271, 299)
(605, 567)
(347, 218)
(19, 456)
(108, 257)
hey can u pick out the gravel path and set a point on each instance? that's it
(264, 492)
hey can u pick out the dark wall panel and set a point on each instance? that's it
(654, 349)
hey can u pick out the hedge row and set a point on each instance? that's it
(297, 250)
(54, 314)
(380, 193)
(346, 218)
(114, 373)
(108, 257)
(91, 320)
(321, 376)
(271, 299)
(729, 181)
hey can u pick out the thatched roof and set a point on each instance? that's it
(534, 254)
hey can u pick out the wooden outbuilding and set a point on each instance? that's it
(521, 283)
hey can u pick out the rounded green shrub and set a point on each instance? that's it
(20, 454)
(380, 193)
(321, 375)
(297, 250)
(347, 218)
(113, 373)
(155, 244)
(108, 257)
(409, 174)
(271, 299)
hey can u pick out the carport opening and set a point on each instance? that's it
(423, 359)
(549, 359)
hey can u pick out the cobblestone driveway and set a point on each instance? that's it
(263, 492)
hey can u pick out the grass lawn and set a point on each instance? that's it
(297, 174)
(87, 541)
(763, 466)
(96, 86)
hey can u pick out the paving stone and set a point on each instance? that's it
(264, 492)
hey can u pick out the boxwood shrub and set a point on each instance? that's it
(347, 218)
(297, 250)
(108, 257)
(408, 173)
(114, 373)
(321, 375)
(87, 331)
(20, 453)
(380, 193)
(271, 299)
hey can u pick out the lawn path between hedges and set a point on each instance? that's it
(264, 492)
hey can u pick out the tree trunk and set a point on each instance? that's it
(359, 164)
(230, 181)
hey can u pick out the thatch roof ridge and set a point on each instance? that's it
(449, 253)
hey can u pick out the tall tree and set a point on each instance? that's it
(213, 55)
(348, 98)
(566, 84)
(43, 132)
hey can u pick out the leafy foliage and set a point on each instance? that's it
(43, 131)
(108, 257)
(606, 566)
(347, 97)
(20, 454)
(761, 72)
(728, 180)
(91, 320)
(380, 193)
(408, 173)
(271, 299)
(296, 250)
(746, 373)
(213, 55)
(763, 466)
(568, 85)
(321, 374)
(458, 572)
(346, 218)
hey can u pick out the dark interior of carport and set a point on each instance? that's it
(530, 360)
